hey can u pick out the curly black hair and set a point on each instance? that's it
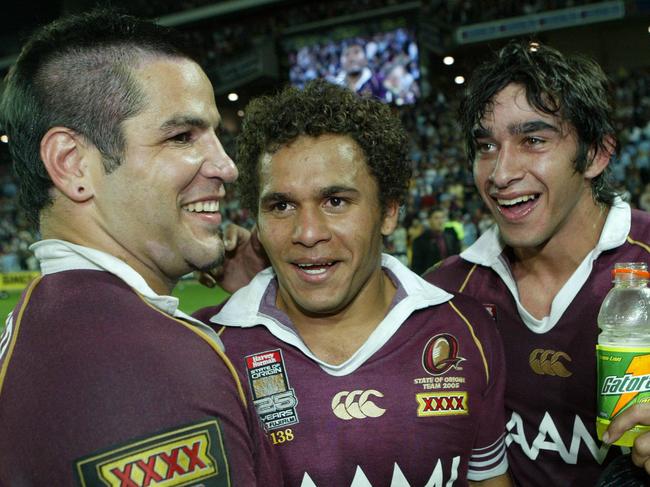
(272, 122)
(573, 88)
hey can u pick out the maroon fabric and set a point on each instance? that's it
(551, 414)
(329, 448)
(93, 368)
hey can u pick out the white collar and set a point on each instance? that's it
(242, 310)
(488, 251)
(59, 255)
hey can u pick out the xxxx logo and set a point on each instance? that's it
(441, 404)
(159, 466)
(549, 362)
(172, 459)
(356, 405)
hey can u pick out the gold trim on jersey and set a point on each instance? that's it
(477, 342)
(644, 246)
(469, 274)
(210, 342)
(16, 329)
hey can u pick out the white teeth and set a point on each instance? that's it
(203, 207)
(520, 199)
(315, 269)
(314, 272)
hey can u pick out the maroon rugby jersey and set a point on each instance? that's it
(97, 387)
(420, 403)
(551, 364)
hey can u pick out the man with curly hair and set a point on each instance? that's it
(361, 372)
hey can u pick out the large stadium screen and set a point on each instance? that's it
(379, 59)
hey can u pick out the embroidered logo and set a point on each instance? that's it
(549, 362)
(192, 454)
(441, 354)
(441, 403)
(356, 405)
(274, 400)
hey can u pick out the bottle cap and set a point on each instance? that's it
(626, 270)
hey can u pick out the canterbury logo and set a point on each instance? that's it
(356, 405)
(547, 362)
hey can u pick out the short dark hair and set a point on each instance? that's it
(272, 122)
(77, 72)
(573, 88)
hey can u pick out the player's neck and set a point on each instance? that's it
(55, 227)
(540, 272)
(335, 337)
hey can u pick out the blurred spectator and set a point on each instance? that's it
(442, 176)
(435, 243)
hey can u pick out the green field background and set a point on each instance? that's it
(191, 294)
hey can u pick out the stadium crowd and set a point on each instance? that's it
(442, 177)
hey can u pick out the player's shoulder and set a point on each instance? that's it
(469, 307)
(461, 311)
(640, 227)
(450, 273)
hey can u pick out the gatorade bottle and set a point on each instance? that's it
(623, 348)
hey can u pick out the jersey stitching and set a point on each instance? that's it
(475, 338)
(213, 345)
(14, 338)
(640, 244)
(469, 274)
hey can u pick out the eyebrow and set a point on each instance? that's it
(276, 196)
(517, 129)
(332, 190)
(532, 126)
(324, 193)
(186, 121)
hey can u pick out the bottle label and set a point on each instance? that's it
(623, 380)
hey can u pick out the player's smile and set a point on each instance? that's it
(515, 208)
(316, 271)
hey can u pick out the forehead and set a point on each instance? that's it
(511, 103)
(175, 87)
(321, 161)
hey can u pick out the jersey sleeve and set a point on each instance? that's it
(488, 458)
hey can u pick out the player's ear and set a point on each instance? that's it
(599, 157)
(391, 215)
(64, 152)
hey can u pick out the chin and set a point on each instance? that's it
(206, 257)
(523, 241)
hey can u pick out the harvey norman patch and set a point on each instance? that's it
(274, 400)
(190, 455)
